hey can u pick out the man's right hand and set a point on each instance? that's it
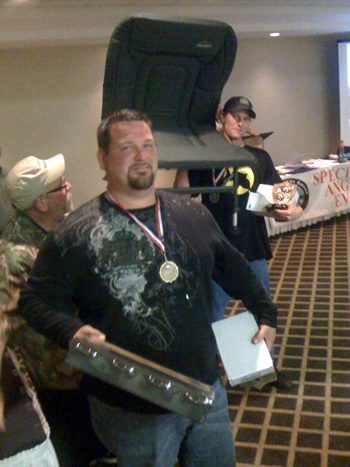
(89, 333)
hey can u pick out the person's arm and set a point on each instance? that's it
(242, 284)
(254, 297)
(245, 286)
(270, 177)
(89, 333)
(267, 333)
(46, 300)
(15, 264)
(181, 179)
(2, 398)
(233, 273)
(287, 215)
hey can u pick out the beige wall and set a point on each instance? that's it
(293, 85)
(51, 102)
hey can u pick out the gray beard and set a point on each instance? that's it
(70, 203)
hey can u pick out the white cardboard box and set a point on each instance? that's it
(243, 361)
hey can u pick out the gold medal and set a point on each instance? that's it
(168, 271)
(214, 197)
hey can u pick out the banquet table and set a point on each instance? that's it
(324, 191)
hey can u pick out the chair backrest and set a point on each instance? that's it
(173, 69)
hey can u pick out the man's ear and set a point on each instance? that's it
(101, 154)
(222, 117)
(218, 112)
(41, 204)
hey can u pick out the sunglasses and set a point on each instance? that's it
(62, 187)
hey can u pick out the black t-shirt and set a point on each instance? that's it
(251, 237)
(101, 261)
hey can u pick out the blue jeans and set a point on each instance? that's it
(259, 266)
(158, 440)
(220, 297)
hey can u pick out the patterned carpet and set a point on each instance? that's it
(310, 424)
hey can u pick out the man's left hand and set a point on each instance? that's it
(286, 215)
(267, 333)
(90, 333)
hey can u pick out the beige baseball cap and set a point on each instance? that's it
(28, 179)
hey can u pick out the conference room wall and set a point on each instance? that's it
(51, 102)
(293, 84)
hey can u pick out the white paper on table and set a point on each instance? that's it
(242, 360)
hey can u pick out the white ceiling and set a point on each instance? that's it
(34, 23)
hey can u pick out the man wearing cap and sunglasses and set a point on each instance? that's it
(251, 237)
(41, 198)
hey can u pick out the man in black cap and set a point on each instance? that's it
(251, 237)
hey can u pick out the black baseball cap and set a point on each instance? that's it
(239, 103)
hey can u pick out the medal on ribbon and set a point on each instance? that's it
(215, 196)
(168, 270)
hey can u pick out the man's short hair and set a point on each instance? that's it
(124, 115)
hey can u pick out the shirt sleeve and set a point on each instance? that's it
(15, 264)
(46, 300)
(233, 273)
(270, 173)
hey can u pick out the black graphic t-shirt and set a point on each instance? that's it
(251, 237)
(100, 262)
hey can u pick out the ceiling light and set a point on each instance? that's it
(274, 34)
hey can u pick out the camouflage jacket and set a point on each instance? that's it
(6, 209)
(44, 360)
